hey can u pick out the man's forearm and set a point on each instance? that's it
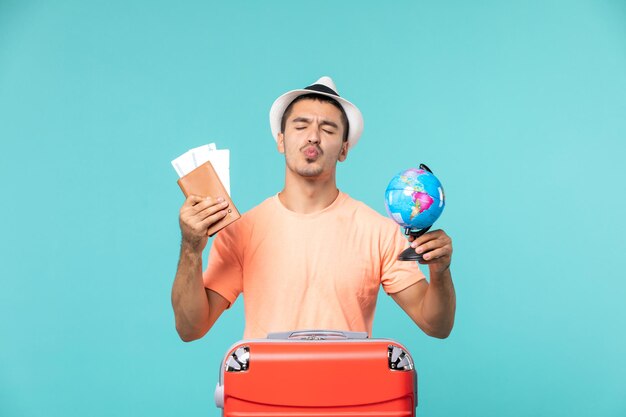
(439, 304)
(189, 299)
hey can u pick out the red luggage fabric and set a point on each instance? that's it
(317, 373)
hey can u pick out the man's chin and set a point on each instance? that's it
(310, 172)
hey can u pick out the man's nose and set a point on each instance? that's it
(314, 136)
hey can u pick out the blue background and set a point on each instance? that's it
(519, 107)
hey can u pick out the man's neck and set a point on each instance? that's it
(307, 196)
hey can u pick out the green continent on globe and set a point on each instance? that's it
(414, 198)
(421, 200)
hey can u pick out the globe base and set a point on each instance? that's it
(409, 253)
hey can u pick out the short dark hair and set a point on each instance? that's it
(318, 97)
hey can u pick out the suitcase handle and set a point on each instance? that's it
(318, 335)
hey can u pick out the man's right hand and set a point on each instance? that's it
(196, 216)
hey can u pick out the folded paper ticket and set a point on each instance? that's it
(193, 158)
(205, 171)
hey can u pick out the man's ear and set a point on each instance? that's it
(343, 154)
(280, 142)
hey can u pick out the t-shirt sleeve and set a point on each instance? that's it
(223, 273)
(397, 275)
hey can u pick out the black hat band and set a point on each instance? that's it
(320, 88)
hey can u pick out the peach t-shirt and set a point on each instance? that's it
(309, 271)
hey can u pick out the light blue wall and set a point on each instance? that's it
(519, 107)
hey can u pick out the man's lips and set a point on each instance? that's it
(311, 152)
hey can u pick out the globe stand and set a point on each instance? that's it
(409, 253)
(423, 166)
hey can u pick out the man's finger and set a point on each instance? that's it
(199, 222)
(193, 199)
(425, 247)
(435, 234)
(430, 243)
(205, 203)
(213, 218)
(436, 254)
(209, 210)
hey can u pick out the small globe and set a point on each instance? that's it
(414, 198)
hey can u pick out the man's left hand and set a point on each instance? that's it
(436, 249)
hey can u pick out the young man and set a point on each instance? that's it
(309, 257)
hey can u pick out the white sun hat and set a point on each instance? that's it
(326, 87)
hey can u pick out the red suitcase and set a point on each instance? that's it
(317, 373)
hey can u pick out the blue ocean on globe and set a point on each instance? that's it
(414, 198)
